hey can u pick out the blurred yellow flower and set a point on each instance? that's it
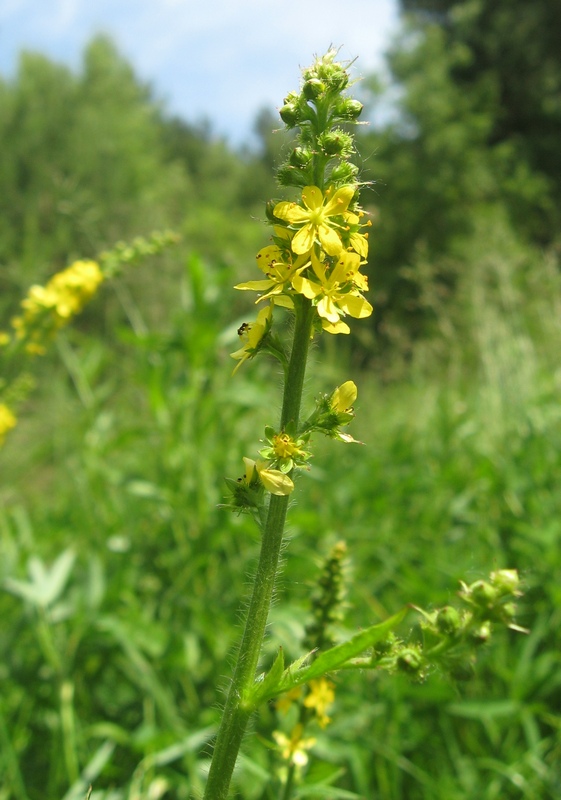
(7, 421)
(319, 698)
(48, 308)
(293, 749)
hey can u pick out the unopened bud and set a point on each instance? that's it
(506, 581)
(448, 620)
(410, 660)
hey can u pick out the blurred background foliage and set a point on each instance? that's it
(121, 574)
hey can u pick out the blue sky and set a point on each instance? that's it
(222, 60)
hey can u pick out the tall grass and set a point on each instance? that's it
(121, 573)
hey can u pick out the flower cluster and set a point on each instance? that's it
(319, 239)
(451, 636)
(48, 308)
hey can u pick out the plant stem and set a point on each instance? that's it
(237, 711)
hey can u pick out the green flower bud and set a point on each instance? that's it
(508, 612)
(344, 173)
(448, 620)
(506, 581)
(336, 143)
(481, 634)
(288, 175)
(385, 646)
(300, 157)
(313, 89)
(348, 109)
(290, 115)
(483, 594)
(410, 660)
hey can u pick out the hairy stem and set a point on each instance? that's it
(236, 711)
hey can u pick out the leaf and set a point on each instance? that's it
(267, 687)
(337, 656)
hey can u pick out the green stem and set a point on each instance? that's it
(237, 711)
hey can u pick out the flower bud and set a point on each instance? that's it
(448, 620)
(313, 89)
(410, 660)
(349, 109)
(290, 114)
(300, 157)
(288, 175)
(336, 143)
(481, 634)
(344, 173)
(483, 594)
(506, 581)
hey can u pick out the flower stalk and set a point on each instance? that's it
(313, 238)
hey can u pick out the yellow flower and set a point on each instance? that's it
(358, 241)
(253, 333)
(314, 221)
(278, 271)
(7, 421)
(319, 698)
(293, 749)
(335, 295)
(344, 397)
(274, 481)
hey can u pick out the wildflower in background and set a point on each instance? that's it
(293, 749)
(48, 308)
(253, 334)
(319, 698)
(286, 700)
(7, 421)
(314, 221)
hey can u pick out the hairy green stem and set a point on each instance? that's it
(237, 711)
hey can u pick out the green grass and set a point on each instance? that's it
(112, 651)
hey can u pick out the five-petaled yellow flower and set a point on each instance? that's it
(335, 295)
(315, 222)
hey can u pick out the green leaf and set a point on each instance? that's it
(330, 660)
(266, 687)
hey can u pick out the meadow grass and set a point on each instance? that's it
(123, 575)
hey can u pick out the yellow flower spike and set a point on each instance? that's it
(314, 218)
(8, 420)
(319, 698)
